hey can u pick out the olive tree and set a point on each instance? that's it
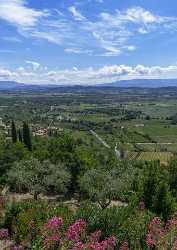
(104, 185)
(36, 177)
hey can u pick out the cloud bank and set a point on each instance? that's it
(38, 74)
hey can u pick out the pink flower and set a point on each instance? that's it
(107, 244)
(74, 231)
(156, 233)
(149, 240)
(111, 241)
(78, 246)
(54, 223)
(4, 234)
(73, 237)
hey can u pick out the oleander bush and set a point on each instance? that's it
(24, 219)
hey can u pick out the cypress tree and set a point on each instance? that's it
(13, 132)
(20, 138)
(27, 136)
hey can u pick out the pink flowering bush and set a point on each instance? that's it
(54, 223)
(161, 236)
(74, 237)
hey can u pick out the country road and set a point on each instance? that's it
(117, 152)
(100, 139)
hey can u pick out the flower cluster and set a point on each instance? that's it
(78, 246)
(51, 233)
(75, 237)
(159, 235)
(75, 231)
(4, 234)
(54, 223)
(108, 243)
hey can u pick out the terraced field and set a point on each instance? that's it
(163, 157)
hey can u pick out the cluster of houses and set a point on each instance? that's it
(39, 131)
(36, 130)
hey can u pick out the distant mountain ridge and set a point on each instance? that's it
(7, 85)
(136, 83)
(144, 83)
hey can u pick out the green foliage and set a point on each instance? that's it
(164, 203)
(63, 149)
(25, 219)
(105, 185)
(40, 148)
(157, 195)
(152, 179)
(20, 137)
(13, 132)
(36, 177)
(134, 228)
(172, 168)
(27, 136)
(126, 223)
(108, 220)
(11, 153)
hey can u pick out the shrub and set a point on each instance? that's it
(24, 219)
(75, 237)
(162, 236)
(126, 223)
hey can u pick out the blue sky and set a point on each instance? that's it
(87, 41)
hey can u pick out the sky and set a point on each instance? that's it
(87, 41)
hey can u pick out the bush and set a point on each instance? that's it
(24, 219)
(74, 237)
(126, 223)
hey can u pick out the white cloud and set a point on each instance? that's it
(87, 76)
(17, 13)
(78, 51)
(139, 15)
(76, 14)
(108, 34)
(35, 65)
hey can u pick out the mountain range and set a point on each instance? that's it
(138, 83)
